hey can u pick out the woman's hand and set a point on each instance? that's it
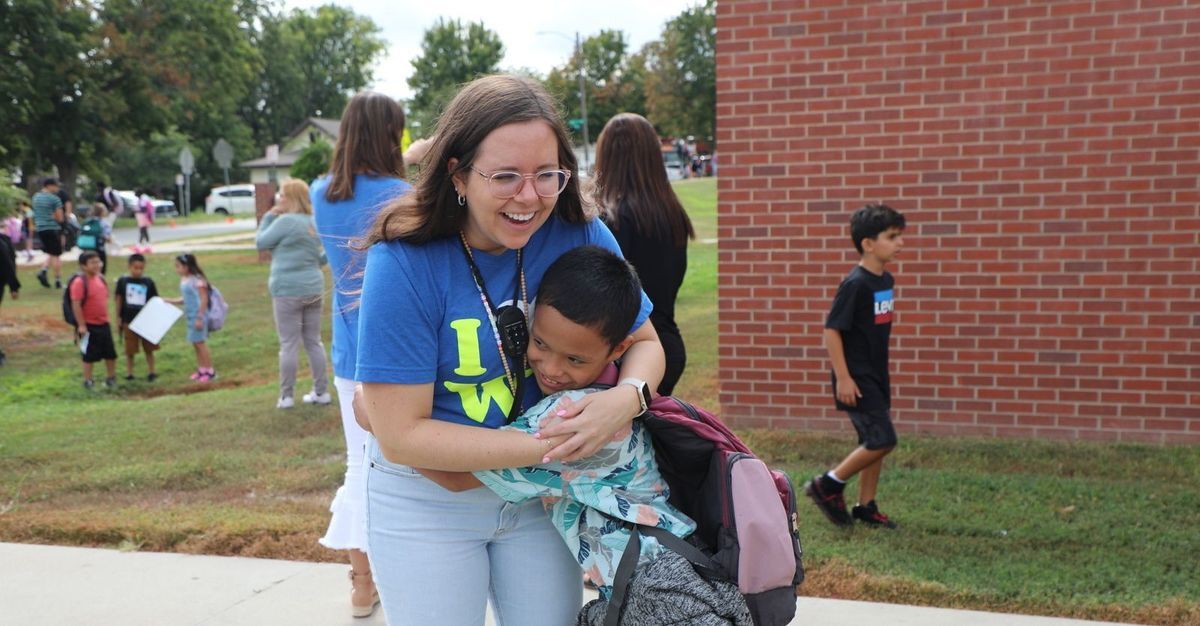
(591, 422)
(360, 409)
(199, 325)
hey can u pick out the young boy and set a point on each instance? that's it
(91, 318)
(132, 292)
(48, 218)
(585, 306)
(856, 336)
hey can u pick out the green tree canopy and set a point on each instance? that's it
(613, 80)
(313, 62)
(312, 162)
(681, 77)
(451, 54)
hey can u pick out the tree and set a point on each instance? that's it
(200, 83)
(613, 81)
(312, 162)
(451, 54)
(681, 94)
(99, 75)
(314, 62)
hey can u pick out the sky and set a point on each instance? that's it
(517, 22)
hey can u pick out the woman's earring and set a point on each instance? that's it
(461, 200)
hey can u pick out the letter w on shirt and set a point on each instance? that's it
(476, 398)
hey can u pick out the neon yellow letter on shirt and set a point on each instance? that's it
(476, 399)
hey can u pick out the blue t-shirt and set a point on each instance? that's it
(422, 320)
(339, 224)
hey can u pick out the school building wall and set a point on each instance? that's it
(1045, 154)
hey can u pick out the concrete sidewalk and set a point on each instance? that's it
(53, 585)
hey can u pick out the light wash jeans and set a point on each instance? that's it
(298, 320)
(438, 556)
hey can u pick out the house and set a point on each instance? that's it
(309, 131)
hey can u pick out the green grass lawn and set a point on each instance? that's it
(1101, 531)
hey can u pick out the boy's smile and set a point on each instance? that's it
(565, 355)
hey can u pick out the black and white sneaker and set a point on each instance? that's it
(41, 276)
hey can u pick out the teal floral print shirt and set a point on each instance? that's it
(590, 500)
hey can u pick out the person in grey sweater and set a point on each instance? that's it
(296, 287)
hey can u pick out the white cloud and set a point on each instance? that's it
(517, 23)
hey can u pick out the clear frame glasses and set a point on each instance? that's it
(505, 184)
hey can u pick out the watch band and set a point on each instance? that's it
(643, 391)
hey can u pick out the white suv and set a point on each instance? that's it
(230, 199)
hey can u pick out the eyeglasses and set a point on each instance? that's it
(546, 183)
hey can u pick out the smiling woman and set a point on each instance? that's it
(443, 364)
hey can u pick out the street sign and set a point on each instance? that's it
(223, 153)
(179, 180)
(187, 162)
(273, 153)
(575, 123)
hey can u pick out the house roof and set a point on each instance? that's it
(328, 126)
(285, 160)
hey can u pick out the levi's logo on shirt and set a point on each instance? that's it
(884, 305)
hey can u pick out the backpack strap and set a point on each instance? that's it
(628, 562)
(702, 563)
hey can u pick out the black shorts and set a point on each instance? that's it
(51, 242)
(100, 344)
(874, 428)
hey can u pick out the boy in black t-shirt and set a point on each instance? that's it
(856, 336)
(133, 291)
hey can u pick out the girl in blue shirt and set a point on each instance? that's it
(449, 273)
(365, 173)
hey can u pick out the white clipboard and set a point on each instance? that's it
(155, 319)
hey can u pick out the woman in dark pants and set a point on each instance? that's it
(640, 207)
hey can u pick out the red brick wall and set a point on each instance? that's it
(1045, 154)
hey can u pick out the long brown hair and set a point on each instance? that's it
(630, 177)
(431, 210)
(368, 143)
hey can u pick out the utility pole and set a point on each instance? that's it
(582, 103)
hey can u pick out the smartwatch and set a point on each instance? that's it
(643, 391)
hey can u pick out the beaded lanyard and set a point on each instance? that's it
(515, 382)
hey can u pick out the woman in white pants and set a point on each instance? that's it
(365, 173)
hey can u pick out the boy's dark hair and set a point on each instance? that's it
(86, 256)
(872, 219)
(135, 257)
(49, 180)
(593, 287)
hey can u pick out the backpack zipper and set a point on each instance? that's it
(727, 488)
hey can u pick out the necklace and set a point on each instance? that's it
(509, 327)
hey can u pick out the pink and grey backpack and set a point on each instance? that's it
(745, 512)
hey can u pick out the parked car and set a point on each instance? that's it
(165, 207)
(675, 166)
(230, 199)
(161, 207)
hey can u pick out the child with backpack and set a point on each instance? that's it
(195, 292)
(586, 304)
(89, 307)
(92, 237)
(856, 336)
(132, 292)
